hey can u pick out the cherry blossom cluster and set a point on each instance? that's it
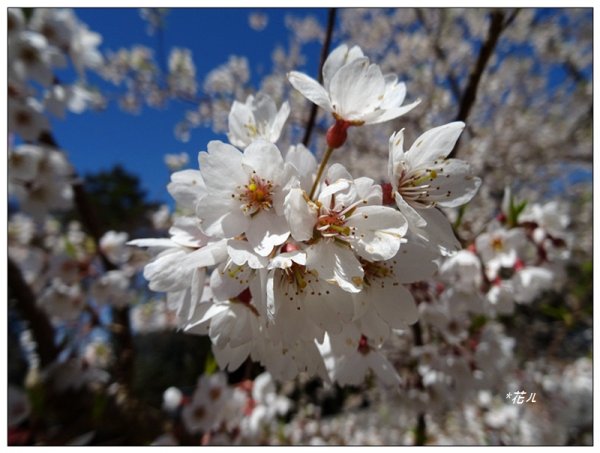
(60, 265)
(520, 255)
(40, 176)
(562, 413)
(217, 413)
(299, 265)
(293, 262)
(463, 347)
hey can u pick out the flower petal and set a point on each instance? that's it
(339, 57)
(279, 121)
(241, 122)
(265, 231)
(310, 89)
(300, 215)
(220, 167)
(434, 144)
(356, 89)
(305, 164)
(221, 216)
(378, 231)
(265, 159)
(455, 185)
(438, 231)
(241, 252)
(187, 187)
(414, 217)
(395, 305)
(414, 261)
(382, 115)
(336, 264)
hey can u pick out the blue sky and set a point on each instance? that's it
(98, 140)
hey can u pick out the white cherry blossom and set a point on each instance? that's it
(206, 410)
(255, 119)
(346, 220)
(349, 356)
(26, 118)
(245, 193)
(500, 248)
(423, 178)
(354, 90)
(33, 58)
(179, 268)
(385, 304)
(301, 304)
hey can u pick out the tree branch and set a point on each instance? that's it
(421, 428)
(324, 52)
(42, 330)
(497, 24)
(121, 328)
(84, 209)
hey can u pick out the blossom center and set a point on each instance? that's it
(332, 223)
(199, 413)
(299, 281)
(497, 244)
(257, 195)
(415, 185)
(379, 272)
(363, 345)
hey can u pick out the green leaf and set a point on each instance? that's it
(70, 249)
(100, 402)
(210, 365)
(477, 323)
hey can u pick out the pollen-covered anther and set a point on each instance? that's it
(333, 224)
(298, 278)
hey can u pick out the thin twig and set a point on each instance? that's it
(324, 52)
(326, 157)
(510, 19)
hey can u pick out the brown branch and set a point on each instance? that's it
(510, 19)
(121, 328)
(89, 220)
(84, 209)
(421, 428)
(40, 326)
(324, 52)
(125, 352)
(573, 71)
(497, 24)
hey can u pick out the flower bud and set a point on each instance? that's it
(388, 195)
(336, 134)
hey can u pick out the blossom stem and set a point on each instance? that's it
(320, 171)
